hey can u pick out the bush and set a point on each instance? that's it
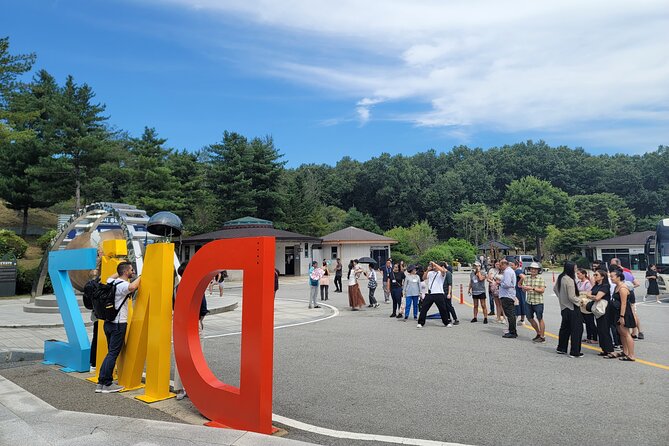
(11, 243)
(439, 253)
(25, 278)
(581, 262)
(45, 239)
(462, 250)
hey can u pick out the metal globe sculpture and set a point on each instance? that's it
(165, 224)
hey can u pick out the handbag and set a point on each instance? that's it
(598, 308)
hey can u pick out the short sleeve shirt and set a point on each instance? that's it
(122, 290)
(533, 297)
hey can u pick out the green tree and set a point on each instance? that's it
(477, 223)
(415, 240)
(604, 210)
(152, 186)
(569, 240)
(438, 253)
(11, 243)
(531, 205)
(28, 171)
(461, 250)
(265, 178)
(361, 221)
(12, 122)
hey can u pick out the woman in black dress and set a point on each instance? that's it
(602, 290)
(624, 318)
(653, 289)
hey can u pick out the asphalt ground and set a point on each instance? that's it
(365, 372)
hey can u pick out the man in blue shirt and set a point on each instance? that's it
(507, 295)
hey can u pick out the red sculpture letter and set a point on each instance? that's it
(248, 407)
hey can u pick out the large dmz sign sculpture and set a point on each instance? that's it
(150, 326)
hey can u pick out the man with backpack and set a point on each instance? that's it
(115, 329)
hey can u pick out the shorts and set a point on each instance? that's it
(478, 296)
(535, 308)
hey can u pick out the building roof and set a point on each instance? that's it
(355, 235)
(494, 243)
(251, 232)
(635, 238)
(249, 221)
(250, 227)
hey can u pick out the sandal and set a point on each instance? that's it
(602, 354)
(614, 355)
(626, 358)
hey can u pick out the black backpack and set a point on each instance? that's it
(89, 289)
(104, 300)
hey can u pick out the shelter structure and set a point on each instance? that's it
(628, 248)
(293, 250)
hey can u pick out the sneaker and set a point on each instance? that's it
(474, 320)
(560, 352)
(449, 325)
(181, 394)
(536, 338)
(92, 369)
(98, 388)
(492, 313)
(393, 315)
(376, 305)
(370, 306)
(541, 340)
(111, 388)
(317, 306)
(310, 307)
(419, 326)
(577, 355)
(641, 336)
(510, 336)
(399, 316)
(456, 322)
(485, 320)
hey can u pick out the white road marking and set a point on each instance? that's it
(334, 314)
(356, 435)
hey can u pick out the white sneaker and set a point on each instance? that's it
(449, 326)
(181, 394)
(98, 388)
(92, 369)
(419, 326)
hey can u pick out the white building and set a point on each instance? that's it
(352, 243)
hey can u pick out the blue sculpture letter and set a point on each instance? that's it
(73, 355)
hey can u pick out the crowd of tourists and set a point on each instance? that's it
(600, 301)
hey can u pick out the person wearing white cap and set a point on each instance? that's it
(534, 286)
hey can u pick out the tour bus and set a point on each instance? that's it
(657, 251)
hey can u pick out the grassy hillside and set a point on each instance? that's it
(42, 218)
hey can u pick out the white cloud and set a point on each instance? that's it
(508, 66)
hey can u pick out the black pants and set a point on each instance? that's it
(324, 292)
(510, 313)
(571, 328)
(115, 337)
(590, 327)
(604, 332)
(372, 299)
(438, 299)
(337, 283)
(94, 345)
(396, 293)
(450, 308)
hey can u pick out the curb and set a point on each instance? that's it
(87, 324)
(20, 356)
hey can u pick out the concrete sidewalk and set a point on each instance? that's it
(27, 420)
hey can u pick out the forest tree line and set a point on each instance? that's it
(59, 149)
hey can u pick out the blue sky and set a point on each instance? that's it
(334, 78)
